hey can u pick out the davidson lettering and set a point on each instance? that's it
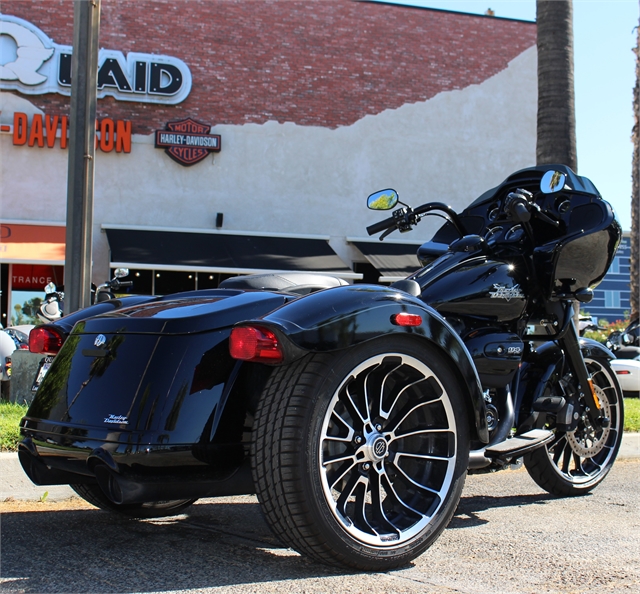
(42, 66)
(110, 135)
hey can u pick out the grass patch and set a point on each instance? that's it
(10, 415)
(632, 415)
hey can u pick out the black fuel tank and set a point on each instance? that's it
(477, 287)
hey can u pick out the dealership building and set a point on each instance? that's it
(237, 137)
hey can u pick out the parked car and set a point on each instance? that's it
(628, 374)
(12, 338)
(586, 324)
(630, 336)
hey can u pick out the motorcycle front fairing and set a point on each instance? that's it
(150, 393)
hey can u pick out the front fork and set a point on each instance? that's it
(570, 343)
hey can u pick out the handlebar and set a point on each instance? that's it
(381, 226)
(405, 218)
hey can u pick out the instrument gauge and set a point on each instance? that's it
(492, 235)
(514, 234)
(494, 212)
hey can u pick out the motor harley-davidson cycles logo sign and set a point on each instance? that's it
(187, 142)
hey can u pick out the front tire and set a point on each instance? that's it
(360, 457)
(94, 495)
(577, 461)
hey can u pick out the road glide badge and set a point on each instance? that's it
(187, 142)
(507, 293)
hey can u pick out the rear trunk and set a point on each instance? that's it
(147, 402)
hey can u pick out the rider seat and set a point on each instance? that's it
(300, 283)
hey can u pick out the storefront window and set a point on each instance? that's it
(166, 282)
(170, 281)
(26, 284)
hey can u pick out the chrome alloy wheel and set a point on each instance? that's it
(584, 455)
(388, 450)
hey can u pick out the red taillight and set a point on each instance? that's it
(249, 343)
(45, 341)
(623, 372)
(406, 319)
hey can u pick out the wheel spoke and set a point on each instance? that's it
(410, 413)
(385, 414)
(424, 456)
(354, 408)
(397, 497)
(340, 477)
(350, 430)
(566, 458)
(414, 482)
(418, 432)
(377, 511)
(329, 461)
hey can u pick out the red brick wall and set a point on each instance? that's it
(313, 62)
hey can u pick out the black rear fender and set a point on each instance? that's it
(343, 317)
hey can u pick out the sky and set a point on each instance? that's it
(604, 69)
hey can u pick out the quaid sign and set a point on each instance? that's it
(36, 65)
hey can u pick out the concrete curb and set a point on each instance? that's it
(16, 485)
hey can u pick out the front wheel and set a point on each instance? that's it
(577, 461)
(360, 457)
(94, 495)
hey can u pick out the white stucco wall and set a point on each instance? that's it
(285, 178)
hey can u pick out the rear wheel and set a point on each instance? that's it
(94, 495)
(577, 461)
(360, 457)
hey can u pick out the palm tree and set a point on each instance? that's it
(635, 189)
(556, 141)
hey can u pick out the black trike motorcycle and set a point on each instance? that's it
(353, 411)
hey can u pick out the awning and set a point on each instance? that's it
(22, 243)
(394, 261)
(221, 251)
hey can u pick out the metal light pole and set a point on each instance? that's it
(80, 177)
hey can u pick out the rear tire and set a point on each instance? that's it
(94, 495)
(359, 457)
(577, 461)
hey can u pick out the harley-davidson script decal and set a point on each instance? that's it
(117, 420)
(507, 293)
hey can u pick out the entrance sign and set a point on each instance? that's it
(38, 66)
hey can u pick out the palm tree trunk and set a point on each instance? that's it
(556, 96)
(635, 187)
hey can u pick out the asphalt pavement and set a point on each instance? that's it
(506, 537)
(16, 485)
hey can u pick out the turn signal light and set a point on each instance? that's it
(623, 372)
(45, 341)
(406, 319)
(249, 343)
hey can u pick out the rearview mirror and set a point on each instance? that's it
(121, 272)
(552, 181)
(383, 200)
(49, 289)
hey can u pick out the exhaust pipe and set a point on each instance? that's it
(123, 487)
(108, 483)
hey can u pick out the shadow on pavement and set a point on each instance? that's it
(468, 508)
(211, 545)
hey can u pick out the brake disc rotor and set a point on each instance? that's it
(586, 441)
